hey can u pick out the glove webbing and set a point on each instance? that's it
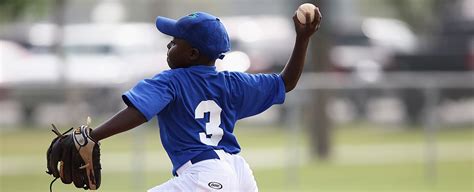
(56, 131)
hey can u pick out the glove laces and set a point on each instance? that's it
(51, 184)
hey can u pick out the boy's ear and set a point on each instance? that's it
(194, 54)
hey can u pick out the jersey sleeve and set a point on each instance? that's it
(150, 96)
(257, 92)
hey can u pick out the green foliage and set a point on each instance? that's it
(419, 14)
(11, 10)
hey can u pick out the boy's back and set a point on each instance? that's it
(197, 107)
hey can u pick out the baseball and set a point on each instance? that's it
(303, 9)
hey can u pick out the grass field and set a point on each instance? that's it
(364, 158)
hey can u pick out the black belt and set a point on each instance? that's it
(205, 155)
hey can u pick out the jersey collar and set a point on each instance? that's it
(203, 68)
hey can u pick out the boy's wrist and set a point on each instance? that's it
(303, 38)
(93, 136)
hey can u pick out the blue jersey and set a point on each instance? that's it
(197, 107)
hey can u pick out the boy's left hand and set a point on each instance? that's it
(78, 157)
(308, 29)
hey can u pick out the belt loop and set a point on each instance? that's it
(183, 167)
(220, 153)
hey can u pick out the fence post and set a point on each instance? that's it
(138, 163)
(430, 126)
(294, 105)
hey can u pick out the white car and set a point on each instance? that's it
(106, 53)
(18, 65)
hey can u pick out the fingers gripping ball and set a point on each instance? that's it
(304, 9)
(78, 157)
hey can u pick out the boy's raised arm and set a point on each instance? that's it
(292, 71)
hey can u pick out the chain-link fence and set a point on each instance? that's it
(428, 105)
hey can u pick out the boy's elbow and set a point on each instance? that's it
(289, 87)
(288, 82)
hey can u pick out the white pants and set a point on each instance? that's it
(229, 173)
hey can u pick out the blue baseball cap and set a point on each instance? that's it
(202, 30)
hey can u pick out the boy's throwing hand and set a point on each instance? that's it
(308, 29)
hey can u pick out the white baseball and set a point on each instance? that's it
(303, 9)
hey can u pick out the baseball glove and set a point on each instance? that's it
(78, 157)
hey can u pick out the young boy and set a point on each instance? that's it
(197, 107)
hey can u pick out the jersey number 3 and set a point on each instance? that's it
(213, 133)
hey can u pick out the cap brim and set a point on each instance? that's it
(167, 26)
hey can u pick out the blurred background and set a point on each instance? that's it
(386, 102)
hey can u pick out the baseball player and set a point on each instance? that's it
(197, 107)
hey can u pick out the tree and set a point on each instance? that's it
(318, 120)
(11, 10)
(421, 14)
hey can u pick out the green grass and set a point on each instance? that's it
(357, 134)
(394, 177)
(452, 177)
(23, 162)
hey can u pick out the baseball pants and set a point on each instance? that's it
(230, 173)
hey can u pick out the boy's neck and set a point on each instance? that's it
(204, 61)
(198, 64)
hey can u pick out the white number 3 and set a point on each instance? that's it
(213, 133)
